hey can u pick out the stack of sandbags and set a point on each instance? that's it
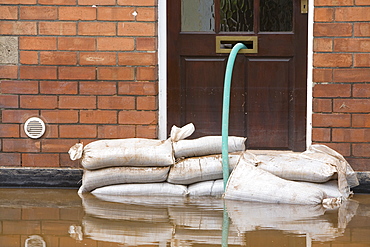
(318, 175)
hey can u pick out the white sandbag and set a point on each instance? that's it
(148, 189)
(178, 134)
(122, 175)
(207, 188)
(207, 145)
(197, 169)
(297, 167)
(330, 188)
(250, 183)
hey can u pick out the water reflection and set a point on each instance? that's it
(61, 218)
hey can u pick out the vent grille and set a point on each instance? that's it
(34, 127)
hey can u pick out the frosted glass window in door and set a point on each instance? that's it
(197, 16)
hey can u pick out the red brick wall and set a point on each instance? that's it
(341, 75)
(88, 71)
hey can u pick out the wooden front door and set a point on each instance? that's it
(268, 95)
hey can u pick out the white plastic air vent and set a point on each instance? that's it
(34, 127)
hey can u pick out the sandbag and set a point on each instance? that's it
(148, 189)
(121, 175)
(297, 167)
(330, 188)
(197, 169)
(207, 188)
(206, 145)
(250, 183)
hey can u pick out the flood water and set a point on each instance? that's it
(54, 217)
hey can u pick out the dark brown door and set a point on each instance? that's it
(268, 95)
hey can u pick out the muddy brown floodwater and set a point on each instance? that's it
(54, 217)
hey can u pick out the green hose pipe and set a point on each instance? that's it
(225, 111)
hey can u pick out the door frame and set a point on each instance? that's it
(162, 71)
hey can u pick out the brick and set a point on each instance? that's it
(18, 28)
(65, 161)
(77, 73)
(97, 58)
(332, 60)
(29, 57)
(22, 227)
(75, 213)
(8, 72)
(40, 160)
(352, 45)
(362, 60)
(76, 44)
(38, 213)
(96, 2)
(332, 29)
(361, 2)
(333, 2)
(146, 44)
(146, 73)
(137, 58)
(115, 73)
(351, 75)
(10, 213)
(146, 103)
(21, 145)
(57, 145)
(358, 164)
(146, 14)
(8, 12)
(116, 131)
(50, 132)
(58, 87)
(352, 14)
(57, 28)
(361, 150)
(19, 87)
(60, 116)
(37, 43)
(98, 117)
(38, 72)
(38, 13)
(9, 101)
(342, 148)
(324, 15)
(322, 75)
(68, 241)
(38, 101)
(137, 3)
(322, 105)
(332, 90)
(77, 13)
(115, 44)
(10, 159)
(323, 45)
(331, 120)
(57, 2)
(77, 131)
(362, 29)
(361, 90)
(351, 135)
(58, 58)
(138, 88)
(361, 120)
(97, 28)
(98, 87)
(10, 240)
(321, 134)
(137, 117)
(116, 102)
(17, 116)
(137, 29)
(116, 13)
(146, 131)
(77, 102)
(351, 105)
(9, 130)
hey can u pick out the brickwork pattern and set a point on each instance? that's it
(88, 68)
(341, 76)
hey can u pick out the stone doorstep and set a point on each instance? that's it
(71, 178)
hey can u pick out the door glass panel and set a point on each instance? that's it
(236, 15)
(197, 15)
(276, 15)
